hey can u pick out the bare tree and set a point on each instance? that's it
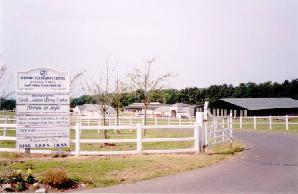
(100, 93)
(144, 79)
(74, 83)
(4, 84)
(117, 96)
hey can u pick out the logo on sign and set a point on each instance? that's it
(43, 72)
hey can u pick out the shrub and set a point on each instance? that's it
(20, 186)
(13, 180)
(57, 177)
(30, 179)
(12, 176)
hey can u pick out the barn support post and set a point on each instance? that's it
(240, 120)
(255, 122)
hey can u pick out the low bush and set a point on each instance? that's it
(57, 178)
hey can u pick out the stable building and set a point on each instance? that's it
(178, 110)
(254, 107)
(94, 110)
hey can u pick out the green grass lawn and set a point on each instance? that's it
(107, 171)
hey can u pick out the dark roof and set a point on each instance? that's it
(262, 103)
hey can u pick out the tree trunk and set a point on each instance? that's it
(105, 124)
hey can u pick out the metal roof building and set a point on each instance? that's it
(255, 106)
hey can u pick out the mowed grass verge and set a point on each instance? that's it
(106, 171)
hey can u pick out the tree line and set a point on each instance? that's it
(197, 96)
(193, 95)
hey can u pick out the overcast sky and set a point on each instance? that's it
(204, 42)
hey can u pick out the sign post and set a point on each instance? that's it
(42, 109)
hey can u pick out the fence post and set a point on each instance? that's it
(205, 125)
(287, 122)
(196, 137)
(155, 120)
(179, 120)
(139, 138)
(200, 134)
(231, 138)
(78, 138)
(5, 125)
(223, 122)
(255, 122)
(231, 120)
(270, 122)
(240, 122)
(214, 128)
(223, 135)
(99, 123)
(80, 119)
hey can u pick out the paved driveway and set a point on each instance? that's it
(270, 165)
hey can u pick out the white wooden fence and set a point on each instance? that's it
(203, 134)
(125, 120)
(266, 122)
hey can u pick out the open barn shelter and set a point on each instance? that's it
(254, 106)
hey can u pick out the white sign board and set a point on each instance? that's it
(43, 99)
(42, 80)
(42, 109)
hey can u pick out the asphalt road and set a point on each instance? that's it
(270, 165)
